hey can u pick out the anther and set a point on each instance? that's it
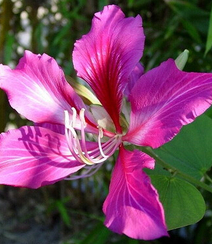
(100, 144)
(74, 116)
(78, 147)
(82, 116)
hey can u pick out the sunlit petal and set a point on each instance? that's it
(34, 156)
(37, 89)
(106, 56)
(163, 100)
(132, 206)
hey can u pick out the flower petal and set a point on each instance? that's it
(58, 128)
(134, 77)
(37, 89)
(163, 100)
(106, 56)
(132, 206)
(34, 156)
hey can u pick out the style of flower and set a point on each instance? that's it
(144, 109)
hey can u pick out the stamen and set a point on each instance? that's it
(74, 116)
(90, 170)
(99, 143)
(83, 124)
(82, 116)
(78, 147)
(72, 138)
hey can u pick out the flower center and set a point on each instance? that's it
(89, 153)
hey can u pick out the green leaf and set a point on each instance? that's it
(102, 3)
(61, 34)
(182, 202)
(191, 30)
(158, 170)
(99, 235)
(8, 48)
(38, 35)
(63, 212)
(209, 37)
(191, 150)
(197, 17)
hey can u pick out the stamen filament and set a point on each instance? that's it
(99, 143)
(89, 172)
(78, 147)
(83, 123)
(74, 116)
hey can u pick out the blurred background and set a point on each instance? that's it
(71, 211)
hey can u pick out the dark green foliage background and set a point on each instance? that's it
(53, 26)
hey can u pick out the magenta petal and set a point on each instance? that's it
(37, 89)
(106, 56)
(58, 128)
(34, 156)
(163, 100)
(134, 77)
(132, 206)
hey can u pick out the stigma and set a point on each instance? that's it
(84, 151)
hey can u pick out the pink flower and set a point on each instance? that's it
(143, 109)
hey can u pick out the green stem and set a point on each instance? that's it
(189, 178)
(208, 178)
